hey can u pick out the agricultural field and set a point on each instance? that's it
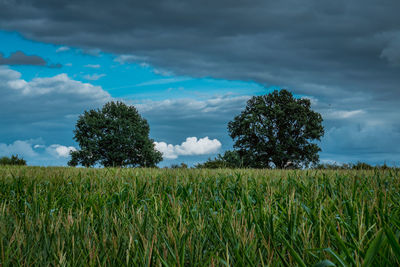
(194, 217)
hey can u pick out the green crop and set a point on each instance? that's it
(190, 217)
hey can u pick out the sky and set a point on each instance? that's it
(190, 66)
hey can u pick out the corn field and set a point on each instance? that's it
(58, 216)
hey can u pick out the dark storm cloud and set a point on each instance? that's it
(20, 58)
(344, 54)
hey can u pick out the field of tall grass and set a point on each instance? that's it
(158, 217)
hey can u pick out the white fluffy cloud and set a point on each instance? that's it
(61, 84)
(21, 148)
(60, 151)
(192, 146)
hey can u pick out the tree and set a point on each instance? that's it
(114, 136)
(14, 160)
(277, 130)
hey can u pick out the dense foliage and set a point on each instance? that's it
(114, 136)
(13, 160)
(198, 217)
(277, 130)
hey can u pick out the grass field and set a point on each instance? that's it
(73, 217)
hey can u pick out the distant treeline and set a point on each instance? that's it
(13, 160)
(353, 166)
(220, 164)
(232, 160)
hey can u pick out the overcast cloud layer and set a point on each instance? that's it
(345, 55)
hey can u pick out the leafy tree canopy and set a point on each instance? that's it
(277, 130)
(115, 135)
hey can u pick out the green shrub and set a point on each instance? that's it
(13, 160)
(230, 159)
(362, 166)
(179, 166)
